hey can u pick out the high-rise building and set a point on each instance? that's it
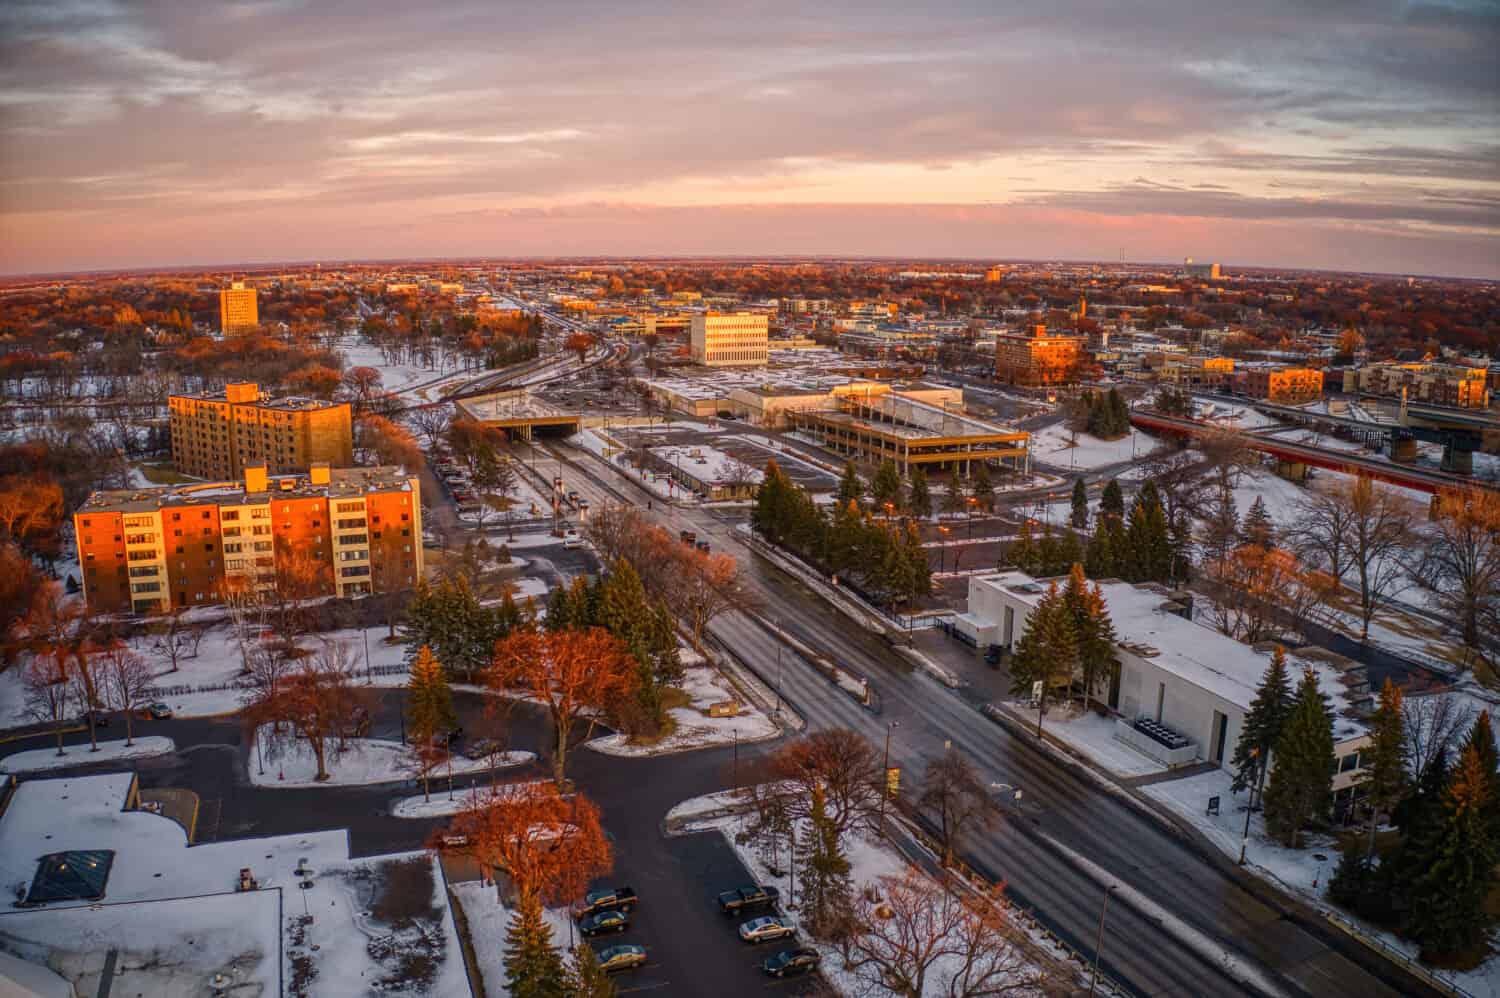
(994, 275)
(219, 434)
(237, 312)
(1035, 356)
(729, 340)
(1204, 271)
(330, 532)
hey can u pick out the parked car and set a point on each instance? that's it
(702, 546)
(766, 928)
(451, 737)
(747, 898)
(688, 537)
(359, 723)
(606, 899)
(101, 719)
(791, 962)
(158, 711)
(622, 957)
(572, 539)
(481, 748)
(612, 920)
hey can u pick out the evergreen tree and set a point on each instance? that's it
(429, 706)
(625, 612)
(1048, 647)
(1022, 552)
(826, 885)
(532, 967)
(1080, 516)
(919, 567)
(1257, 527)
(1262, 726)
(953, 496)
(1093, 630)
(773, 501)
(1100, 560)
(1068, 552)
(851, 489)
(1302, 779)
(1221, 530)
(919, 497)
(1048, 552)
(981, 486)
(1387, 759)
(1119, 414)
(1148, 547)
(885, 488)
(1482, 739)
(449, 619)
(586, 979)
(1112, 501)
(1447, 913)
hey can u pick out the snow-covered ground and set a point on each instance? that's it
(1092, 736)
(695, 729)
(35, 760)
(488, 918)
(364, 761)
(441, 804)
(1051, 446)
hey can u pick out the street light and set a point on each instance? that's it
(1098, 946)
(885, 789)
(780, 636)
(1249, 810)
(942, 548)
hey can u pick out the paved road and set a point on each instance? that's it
(1184, 919)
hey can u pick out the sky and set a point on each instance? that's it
(1331, 134)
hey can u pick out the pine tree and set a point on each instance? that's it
(885, 488)
(1112, 501)
(983, 490)
(1262, 726)
(850, 486)
(1094, 631)
(1447, 913)
(1148, 547)
(1080, 517)
(586, 979)
(1302, 779)
(1387, 759)
(919, 497)
(953, 496)
(919, 565)
(773, 501)
(1022, 552)
(1257, 527)
(532, 967)
(1482, 739)
(1099, 558)
(1118, 414)
(625, 612)
(429, 706)
(826, 884)
(1048, 647)
(1222, 529)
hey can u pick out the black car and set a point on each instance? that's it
(748, 897)
(612, 920)
(791, 962)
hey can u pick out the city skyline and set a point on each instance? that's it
(1365, 139)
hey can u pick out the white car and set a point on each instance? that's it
(572, 539)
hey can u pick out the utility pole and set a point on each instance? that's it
(885, 770)
(1099, 945)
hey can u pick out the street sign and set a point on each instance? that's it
(1036, 692)
(892, 781)
(1213, 804)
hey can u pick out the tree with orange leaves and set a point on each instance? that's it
(573, 673)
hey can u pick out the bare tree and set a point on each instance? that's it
(1433, 724)
(739, 477)
(1321, 530)
(1459, 563)
(127, 683)
(954, 794)
(86, 686)
(1380, 531)
(916, 935)
(432, 423)
(47, 686)
(315, 700)
(172, 639)
(840, 761)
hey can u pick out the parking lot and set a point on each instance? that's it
(750, 450)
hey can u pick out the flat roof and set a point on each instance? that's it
(343, 483)
(288, 403)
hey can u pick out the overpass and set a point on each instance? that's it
(1294, 459)
(1460, 431)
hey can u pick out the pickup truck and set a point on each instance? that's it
(748, 897)
(606, 899)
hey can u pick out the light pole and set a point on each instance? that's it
(1098, 946)
(885, 772)
(942, 548)
(780, 634)
(1249, 810)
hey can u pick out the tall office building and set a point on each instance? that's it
(729, 340)
(237, 312)
(219, 434)
(1036, 356)
(330, 532)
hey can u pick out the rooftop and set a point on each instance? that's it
(289, 403)
(343, 482)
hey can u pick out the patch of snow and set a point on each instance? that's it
(364, 761)
(488, 918)
(37, 760)
(441, 804)
(695, 729)
(1051, 446)
(1092, 736)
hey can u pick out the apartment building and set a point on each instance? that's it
(736, 339)
(237, 310)
(1279, 383)
(219, 434)
(1036, 356)
(329, 532)
(1439, 384)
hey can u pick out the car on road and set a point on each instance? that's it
(101, 719)
(748, 897)
(482, 748)
(572, 539)
(449, 738)
(605, 899)
(622, 957)
(766, 928)
(158, 711)
(613, 920)
(791, 962)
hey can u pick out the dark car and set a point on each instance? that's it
(748, 897)
(449, 738)
(606, 899)
(482, 748)
(158, 711)
(791, 962)
(613, 920)
(622, 957)
(765, 928)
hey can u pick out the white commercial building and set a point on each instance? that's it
(737, 339)
(1177, 677)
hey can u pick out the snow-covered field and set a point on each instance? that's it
(1050, 446)
(35, 760)
(695, 729)
(1092, 736)
(364, 761)
(488, 918)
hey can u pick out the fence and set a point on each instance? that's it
(245, 684)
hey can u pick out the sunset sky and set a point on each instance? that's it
(1345, 135)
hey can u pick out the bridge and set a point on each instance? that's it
(1460, 431)
(1294, 459)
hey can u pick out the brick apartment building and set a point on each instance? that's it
(1281, 384)
(1037, 357)
(220, 434)
(1455, 385)
(330, 532)
(237, 309)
